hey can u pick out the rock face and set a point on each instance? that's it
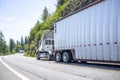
(74, 5)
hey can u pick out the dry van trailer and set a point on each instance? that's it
(89, 34)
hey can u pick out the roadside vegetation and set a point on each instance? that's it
(12, 47)
(45, 23)
(63, 8)
(30, 43)
(4, 50)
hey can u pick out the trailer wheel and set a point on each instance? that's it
(66, 57)
(37, 56)
(83, 61)
(58, 57)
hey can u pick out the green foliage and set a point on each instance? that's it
(17, 46)
(58, 12)
(75, 5)
(3, 46)
(12, 45)
(33, 47)
(36, 31)
(38, 36)
(60, 2)
(26, 47)
(45, 14)
(22, 42)
(30, 49)
(26, 40)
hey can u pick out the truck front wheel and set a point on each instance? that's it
(66, 57)
(48, 57)
(58, 57)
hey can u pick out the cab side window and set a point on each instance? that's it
(47, 42)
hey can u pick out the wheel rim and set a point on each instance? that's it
(65, 57)
(58, 57)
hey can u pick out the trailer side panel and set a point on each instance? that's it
(94, 33)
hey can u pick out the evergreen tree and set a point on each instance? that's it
(22, 42)
(26, 40)
(12, 45)
(60, 2)
(39, 27)
(45, 14)
(3, 45)
(18, 46)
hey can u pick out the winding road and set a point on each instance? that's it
(19, 67)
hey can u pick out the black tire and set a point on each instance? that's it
(66, 57)
(58, 57)
(37, 56)
(83, 61)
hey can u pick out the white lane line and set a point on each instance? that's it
(14, 71)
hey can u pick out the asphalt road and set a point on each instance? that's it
(6, 74)
(49, 70)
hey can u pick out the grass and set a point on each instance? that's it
(28, 55)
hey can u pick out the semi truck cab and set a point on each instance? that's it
(45, 50)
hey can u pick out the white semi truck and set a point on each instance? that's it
(45, 50)
(91, 33)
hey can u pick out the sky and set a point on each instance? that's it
(17, 17)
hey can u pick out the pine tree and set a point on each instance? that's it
(11, 45)
(22, 42)
(26, 40)
(45, 14)
(60, 2)
(18, 46)
(3, 45)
